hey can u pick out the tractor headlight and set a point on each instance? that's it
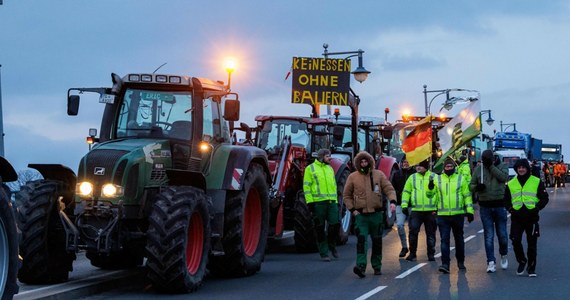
(84, 189)
(111, 190)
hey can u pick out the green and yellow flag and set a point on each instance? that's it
(465, 126)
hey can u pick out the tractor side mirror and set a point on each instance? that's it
(72, 105)
(231, 110)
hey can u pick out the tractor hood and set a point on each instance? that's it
(134, 164)
(133, 144)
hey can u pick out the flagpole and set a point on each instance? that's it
(490, 122)
(481, 155)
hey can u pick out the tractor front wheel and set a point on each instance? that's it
(178, 239)
(305, 235)
(43, 244)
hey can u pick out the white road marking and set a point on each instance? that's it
(410, 271)
(371, 293)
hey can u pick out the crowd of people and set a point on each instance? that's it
(440, 202)
(554, 173)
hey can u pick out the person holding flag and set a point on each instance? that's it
(489, 181)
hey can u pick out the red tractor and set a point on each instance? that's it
(291, 144)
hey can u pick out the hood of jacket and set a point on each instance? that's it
(522, 163)
(487, 154)
(364, 155)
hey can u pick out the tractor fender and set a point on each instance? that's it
(7, 172)
(339, 163)
(238, 161)
(56, 172)
(339, 169)
(387, 164)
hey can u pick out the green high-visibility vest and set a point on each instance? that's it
(319, 183)
(415, 194)
(454, 195)
(524, 195)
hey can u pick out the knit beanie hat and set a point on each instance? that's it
(424, 163)
(322, 153)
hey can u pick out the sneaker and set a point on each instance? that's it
(358, 271)
(377, 272)
(403, 252)
(531, 273)
(444, 269)
(520, 269)
(325, 258)
(431, 258)
(504, 262)
(461, 266)
(491, 267)
(334, 253)
(411, 257)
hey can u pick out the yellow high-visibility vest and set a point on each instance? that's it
(415, 195)
(319, 183)
(524, 195)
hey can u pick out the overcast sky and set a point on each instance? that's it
(514, 52)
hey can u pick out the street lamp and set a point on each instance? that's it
(449, 101)
(507, 125)
(489, 120)
(230, 65)
(360, 73)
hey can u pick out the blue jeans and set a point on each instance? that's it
(447, 224)
(494, 219)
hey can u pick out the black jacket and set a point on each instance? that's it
(399, 180)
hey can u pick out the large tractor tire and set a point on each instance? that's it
(178, 239)
(43, 244)
(304, 227)
(8, 249)
(246, 225)
(345, 216)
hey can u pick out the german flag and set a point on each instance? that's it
(417, 145)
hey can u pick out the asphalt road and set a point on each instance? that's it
(288, 275)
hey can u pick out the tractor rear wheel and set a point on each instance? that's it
(8, 249)
(246, 225)
(178, 239)
(43, 243)
(305, 235)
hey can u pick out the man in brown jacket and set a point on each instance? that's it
(363, 197)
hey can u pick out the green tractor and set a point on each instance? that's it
(9, 262)
(162, 181)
